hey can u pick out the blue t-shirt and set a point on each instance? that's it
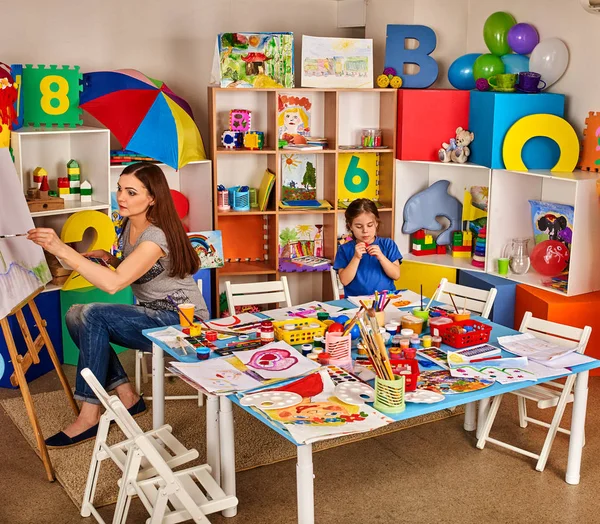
(370, 276)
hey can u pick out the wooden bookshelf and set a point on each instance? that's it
(337, 114)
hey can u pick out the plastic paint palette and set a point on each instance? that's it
(423, 396)
(355, 393)
(272, 399)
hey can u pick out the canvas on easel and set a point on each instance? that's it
(23, 274)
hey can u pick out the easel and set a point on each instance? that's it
(22, 363)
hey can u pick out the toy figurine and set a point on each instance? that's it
(458, 149)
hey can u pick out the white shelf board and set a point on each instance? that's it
(531, 278)
(575, 176)
(71, 206)
(442, 260)
(161, 164)
(451, 164)
(59, 130)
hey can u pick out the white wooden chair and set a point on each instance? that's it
(477, 300)
(548, 395)
(141, 375)
(169, 497)
(173, 452)
(257, 293)
(336, 285)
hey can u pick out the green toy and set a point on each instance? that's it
(51, 95)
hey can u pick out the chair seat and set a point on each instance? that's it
(208, 495)
(544, 396)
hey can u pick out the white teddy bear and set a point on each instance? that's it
(458, 149)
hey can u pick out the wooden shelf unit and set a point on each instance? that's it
(337, 114)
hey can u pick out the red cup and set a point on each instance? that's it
(211, 336)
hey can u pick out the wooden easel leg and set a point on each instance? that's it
(15, 358)
(41, 325)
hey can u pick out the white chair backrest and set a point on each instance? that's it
(474, 300)
(127, 424)
(559, 334)
(257, 293)
(336, 285)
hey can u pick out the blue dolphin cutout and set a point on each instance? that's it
(421, 210)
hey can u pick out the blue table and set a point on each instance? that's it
(221, 454)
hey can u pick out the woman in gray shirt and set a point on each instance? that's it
(158, 263)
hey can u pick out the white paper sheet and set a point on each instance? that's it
(527, 345)
(308, 310)
(234, 321)
(276, 360)
(216, 375)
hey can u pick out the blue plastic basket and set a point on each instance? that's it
(239, 200)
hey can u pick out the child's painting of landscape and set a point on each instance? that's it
(23, 267)
(299, 176)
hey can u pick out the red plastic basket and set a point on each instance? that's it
(409, 369)
(452, 336)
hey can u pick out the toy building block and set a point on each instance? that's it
(44, 188)
(232, 139)
(492, 114)
(461, 244)
(589, 159)
(38, 174)
(254, 140)
(422, 245)
(73, 167)
(426, 118)
(240, 120)
(86, 191)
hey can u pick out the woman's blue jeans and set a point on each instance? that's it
(93, 327)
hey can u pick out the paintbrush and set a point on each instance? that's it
(421, 297)
(453, 303)
(352, 322)
(431, 299)
(380, 345)
(15, 235)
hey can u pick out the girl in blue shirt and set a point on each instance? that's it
(367, 263)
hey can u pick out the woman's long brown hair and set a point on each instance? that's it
(162, 214)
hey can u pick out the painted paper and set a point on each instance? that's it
(256, 59)
(235, 321)
(276, 360)
(442, 382)
(337, 62)
(308, 310)
(23, 267)
(216, 375)
(293, 118)
(299, 177)
(209, 246)
(301, 241)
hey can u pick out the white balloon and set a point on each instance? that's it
(550, 59)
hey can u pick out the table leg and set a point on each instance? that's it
(577, 428)
(305, 485)
(212, 436)
(483, 408)
(227, 451)
(470, 423)
(158, 387)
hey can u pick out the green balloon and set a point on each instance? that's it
(487, 65)
(495, 32)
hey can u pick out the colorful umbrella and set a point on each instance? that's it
(144, 115)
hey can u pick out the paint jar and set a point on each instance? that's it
(306, 349)
(407, 333)
(318, 342)
(317, 351)
(421, 313)
(211, 336)
(360, 349)
(463, 314)
(195, 330)
(410, 353)
(412, 322)
(435, 323)
(387, 338)
(289, 327)
(267, 333)
(370, 137)
(391, 329)
(322, 316)
(203, 353)
(323, 358)
(436, 341)
(312, 325)
(415, 342)
(426, 341)
(313, 356)
(404, 343)
(396, 339)
(395, 352)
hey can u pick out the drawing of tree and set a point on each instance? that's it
(310, 176)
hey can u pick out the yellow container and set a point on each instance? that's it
(302, 332)
(461, 315)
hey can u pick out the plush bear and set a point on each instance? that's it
(458, 149)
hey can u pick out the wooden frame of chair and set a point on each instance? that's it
(173, 452)
(549, 394)
(477, 301)
(257, 293)
(187, 500)
(141, 375)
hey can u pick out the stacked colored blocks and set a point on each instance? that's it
(427, 118)
(74, 179)
(577, 311)
(462, 243)
(423, 244)
(479, 251)
(86, 191)
(492, 114)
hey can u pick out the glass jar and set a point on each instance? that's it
(370, 137)
(518, 255)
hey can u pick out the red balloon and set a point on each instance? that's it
(336, 327)
(550, 258)
(182, 204)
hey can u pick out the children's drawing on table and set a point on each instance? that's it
(442, 382)
(277, 360)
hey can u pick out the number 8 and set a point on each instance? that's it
(60, 94)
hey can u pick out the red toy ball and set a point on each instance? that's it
(550, 258)
(182, 204)
(336, 327)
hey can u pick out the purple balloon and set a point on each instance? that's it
(522, 38)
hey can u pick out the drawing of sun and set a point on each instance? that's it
(291, 161)
(343, 45)
(304, 230)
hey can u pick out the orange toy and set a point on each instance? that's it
(589, 158)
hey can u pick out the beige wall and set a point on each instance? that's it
(459, 28)
(171, 40)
